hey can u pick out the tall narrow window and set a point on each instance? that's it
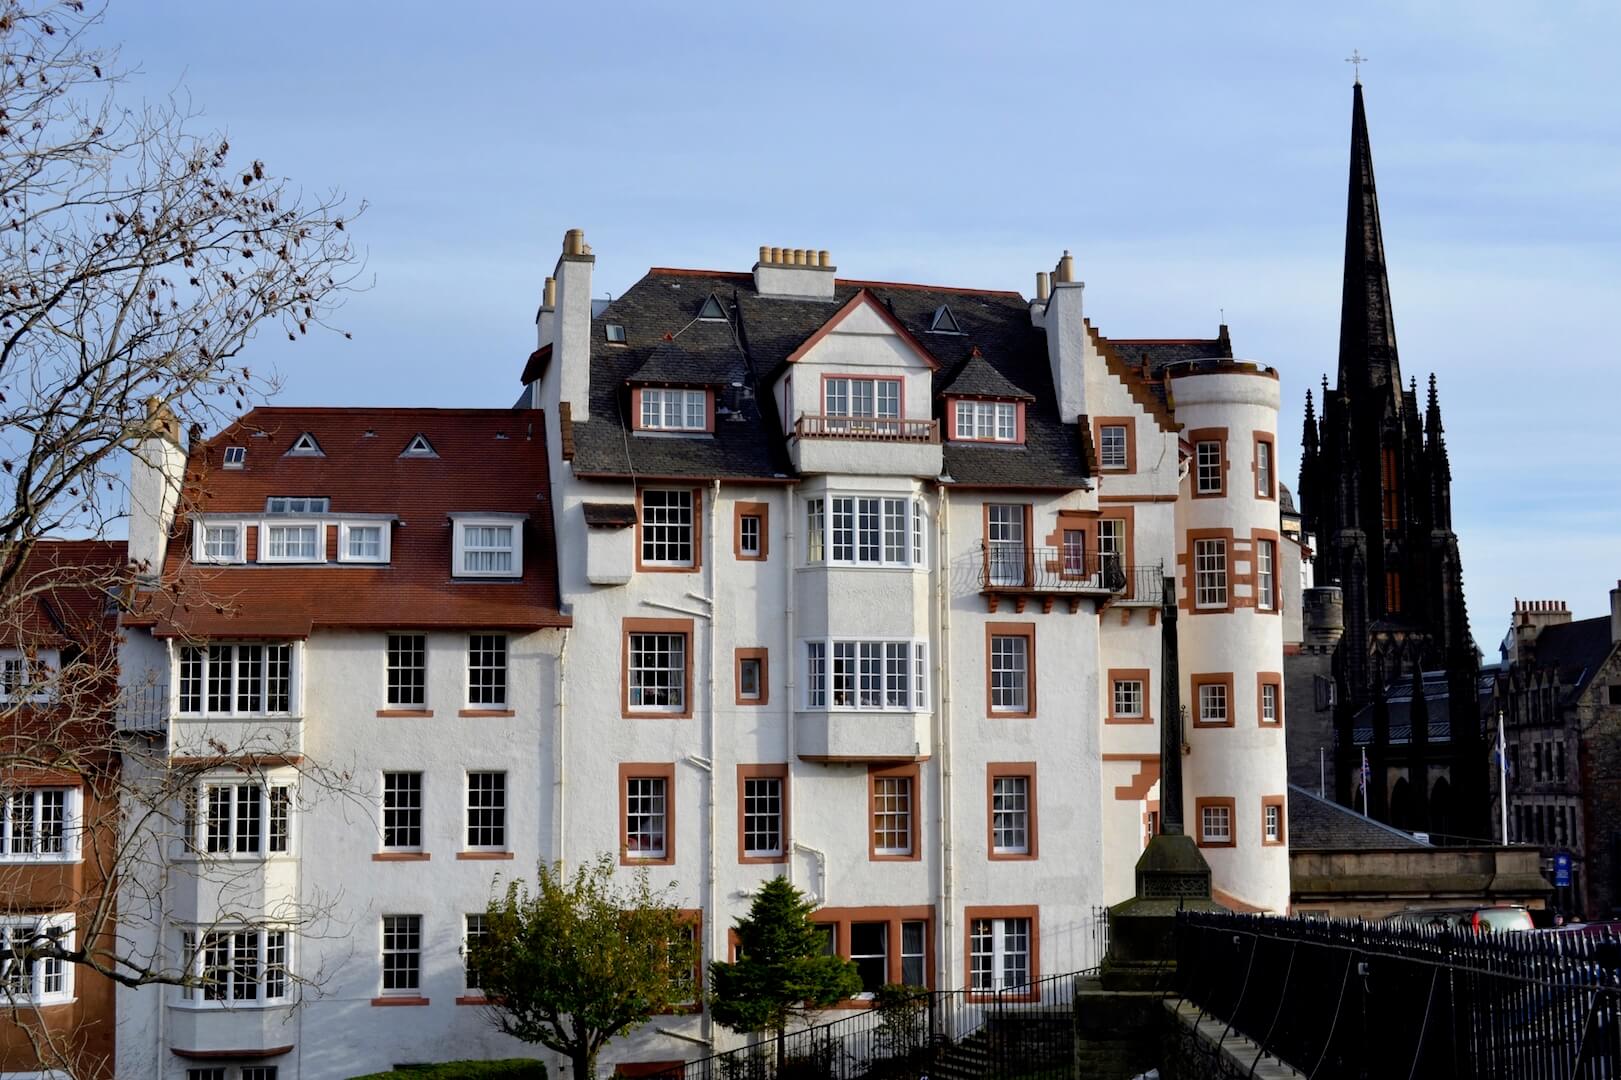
(1270, 716)
(762, 816)
(1390, 487)
(815, 522)
(1210, 573)
(1266, 597)
(487, 810)
(815, 675)
(1263, 469)
(1393, 591)
(474, 932)
(656, 680)
(487, 670)
(646, 818)
(402, 811)
(1010, 815)
(402, 954)
(1010, 673)
(1208, 467)
(407, 671)
(1004, 528)
(748, 536)
(1112, 452)
(869, 951)
(892, 815)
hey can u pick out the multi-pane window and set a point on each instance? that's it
(212, 1072)
(993, 421)
(867, 675)
(1266, 596)
(292, 543)
(1112, 453)
(28, 973)
(283, 504)
(667, 527)
(1216, 824)
(865, 531)
(474, 932)
(1004, 523)
(1010, 673)
(221, 542)
(1128, 698)
(749, 536)
(674, 410)
(1010, 815)
(1272, 823)
(684, 976)
(999, 954)
(243, 817)
(1207, 467)
(27, 677)
(1269, 703)
(363, 543)
(1074, 552)
(1210, 573)
(1213, 703)
(486, 810)
(657, 679)
(402, 811)
(488, 549)
(1112, 537)
(34, 824)
(237, 967)
(407, 670)
(245, 679)
(879, 398)
(402, 954)
(892, 812)
(1263, 469)
(762, 816)
(869, 951)
(259, 1072)
(647, 817)
(487, 670)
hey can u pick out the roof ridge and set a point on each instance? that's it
(859, 283)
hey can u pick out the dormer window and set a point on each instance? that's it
(488, 545)
(292, 543)
(297, 504)
(712, 311)
(217, 542)
(305, 446)
(944, 322)
(419, 446)
(987, 421)
(363, 542)
(235, 456)
(673, 410)
(614, 333)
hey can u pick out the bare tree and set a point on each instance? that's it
(138, 258)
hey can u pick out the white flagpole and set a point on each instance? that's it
(1364, 781)
(1502, 773)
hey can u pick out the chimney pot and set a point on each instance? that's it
(776, 255)
(1066, 268)
(823, 259)
(549, 293)
(765, 253)
(799, 256)
(1041, 284)
(574, 242)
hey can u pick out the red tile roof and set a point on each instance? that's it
(489, 461)
(64, 588)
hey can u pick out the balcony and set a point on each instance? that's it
(1017, 573)
(145, 710)
(845, 445)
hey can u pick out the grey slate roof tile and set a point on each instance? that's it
(1316, 824)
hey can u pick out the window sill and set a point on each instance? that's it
(400, 856)
(41, 860)
(382, 1002)
(1012, 856)
(485, 712)
(474, 999)
(230, 1006)
(421, 713)
(481, 856)
(1128, 719)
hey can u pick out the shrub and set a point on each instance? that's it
(508, 1069)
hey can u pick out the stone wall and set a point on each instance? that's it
(1196, 1049)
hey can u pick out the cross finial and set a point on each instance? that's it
(1356, 60)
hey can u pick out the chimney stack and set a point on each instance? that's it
(1615, 614)
(1067, 340)
(1531, 617)
(800, 273)
(571, 341)
(156, 470)
(546, 317)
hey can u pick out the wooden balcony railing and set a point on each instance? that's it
(867, 428)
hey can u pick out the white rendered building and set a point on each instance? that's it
(855, 582)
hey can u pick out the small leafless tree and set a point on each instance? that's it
(138, 258)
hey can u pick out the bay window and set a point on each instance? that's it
(866, 675)
(237, 967)
(240, 679)
(240, 817)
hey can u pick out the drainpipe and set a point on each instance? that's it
(709, 748)
(792, 666)
(559, 784)
(942, 670)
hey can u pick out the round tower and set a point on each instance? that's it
(1231, 633)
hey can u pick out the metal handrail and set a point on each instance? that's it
(1015, 567)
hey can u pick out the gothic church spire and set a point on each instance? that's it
(1367, 325)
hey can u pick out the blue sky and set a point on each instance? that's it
(1192, 156)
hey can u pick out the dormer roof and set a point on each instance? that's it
(687, 359)
(978, 379)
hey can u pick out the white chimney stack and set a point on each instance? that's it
(1615, 614)
(571, 342)
(546, 317)
(799, 273)
(156, 470)
(1066, 340)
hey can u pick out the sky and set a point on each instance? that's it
(1191, 156)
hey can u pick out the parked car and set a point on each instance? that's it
(1502, 919)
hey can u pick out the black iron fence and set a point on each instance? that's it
(1024, 1031)
(1347, 999)
(1015, 567)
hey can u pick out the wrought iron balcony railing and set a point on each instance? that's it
(867, 428)
(144, 709)
(1017, 568)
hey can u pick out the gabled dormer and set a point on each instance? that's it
(983, 405)
(673, 392)
(944, 322)
(419, 447)
(305, 446)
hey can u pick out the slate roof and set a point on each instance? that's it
(1323, 825)
(489, 461)
(743, 357)
(1161, 353)
(1399, 704)
(1577, 649)
(977, 378)
(601, 515)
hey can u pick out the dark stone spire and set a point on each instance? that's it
(1367, 325)
(1308, 434)
(1432, 414)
